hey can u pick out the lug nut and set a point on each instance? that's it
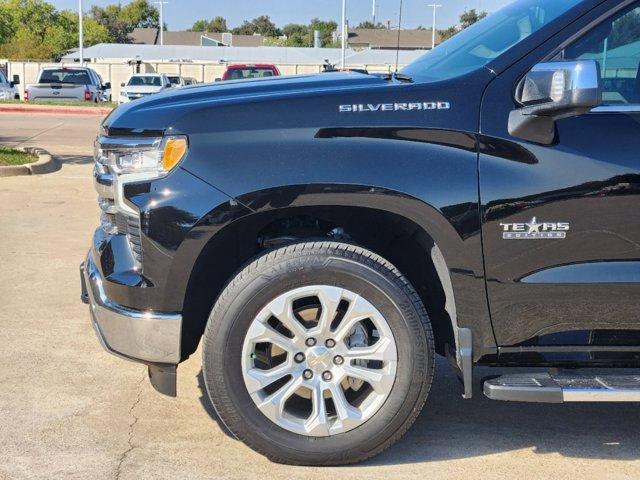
(338, 360)
(326, 375)
(330, 343)
(299, 357)
(307, 374)
(310, 342)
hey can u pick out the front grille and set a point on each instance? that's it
(130, 226)
(133, 235)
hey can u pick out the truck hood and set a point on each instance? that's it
(159, 112)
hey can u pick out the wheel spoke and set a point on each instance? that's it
(347, 413)
(330, 298)
(378, 379)
(264, 333)
(273, 405)
(282, 309)
(359, 309)
(383, 350)
(317, 423)
(259, 379)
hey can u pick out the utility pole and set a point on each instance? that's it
(433, 25)
(80, 33)
(344, 31)
(160, 3)
(373, 13)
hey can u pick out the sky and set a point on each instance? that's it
(180, 14)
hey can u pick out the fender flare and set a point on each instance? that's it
(449, 254)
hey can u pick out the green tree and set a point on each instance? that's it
(215, 25)
(110, 18)
(140, 13)
(34, 15)
(121, 20)
(6, 23)
(34, 29)
(199, 26)
(326, 30)
(466, 18)
(469, 17)
(371, 25)
(261, 25)
(298, 35)
(63, 35)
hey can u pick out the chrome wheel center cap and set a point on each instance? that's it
(319, 358)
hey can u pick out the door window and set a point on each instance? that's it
(615, 45)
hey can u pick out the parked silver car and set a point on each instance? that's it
(8, 90)
(67, 84)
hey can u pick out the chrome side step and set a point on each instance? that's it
(563, 387)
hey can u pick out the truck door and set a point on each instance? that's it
(561, 221)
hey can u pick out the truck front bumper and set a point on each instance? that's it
(148, 337)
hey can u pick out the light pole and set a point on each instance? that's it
(80, 33)
(160, 3)
(344, 31)
(433, 25)
(373, 12)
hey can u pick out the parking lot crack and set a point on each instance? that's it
(132, 424)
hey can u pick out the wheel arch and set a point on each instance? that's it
(411, 234)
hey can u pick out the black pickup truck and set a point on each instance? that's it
(324, 236)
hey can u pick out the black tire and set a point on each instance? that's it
(309, 263)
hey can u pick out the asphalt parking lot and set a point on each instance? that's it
(70, 410)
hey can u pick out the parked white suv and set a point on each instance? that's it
(8, 90)
(143, 84)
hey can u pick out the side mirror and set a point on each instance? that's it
(122, 84)
(106, 86)
(16, 80)
(552, 91)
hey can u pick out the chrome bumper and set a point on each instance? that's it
(143, 336)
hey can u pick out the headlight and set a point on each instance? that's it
(123, 94)
(150, 158)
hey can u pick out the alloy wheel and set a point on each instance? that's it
(319, 360)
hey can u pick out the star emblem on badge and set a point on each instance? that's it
(534, 226)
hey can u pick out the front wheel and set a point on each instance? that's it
(318, 353)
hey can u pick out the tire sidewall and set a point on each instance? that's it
(238, 307)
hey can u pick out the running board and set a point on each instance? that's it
(563, 387)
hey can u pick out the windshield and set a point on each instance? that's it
(149, 81)
(476, 46)
(63, 75)
(249, 72)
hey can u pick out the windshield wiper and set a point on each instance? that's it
(401, 77)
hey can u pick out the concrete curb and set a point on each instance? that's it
(54, 109)
(45, 164)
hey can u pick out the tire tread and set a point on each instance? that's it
(224, 405)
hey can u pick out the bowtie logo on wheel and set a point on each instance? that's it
(534, 230)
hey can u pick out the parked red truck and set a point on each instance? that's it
(240, 72)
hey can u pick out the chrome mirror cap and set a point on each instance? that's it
(574, 84)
